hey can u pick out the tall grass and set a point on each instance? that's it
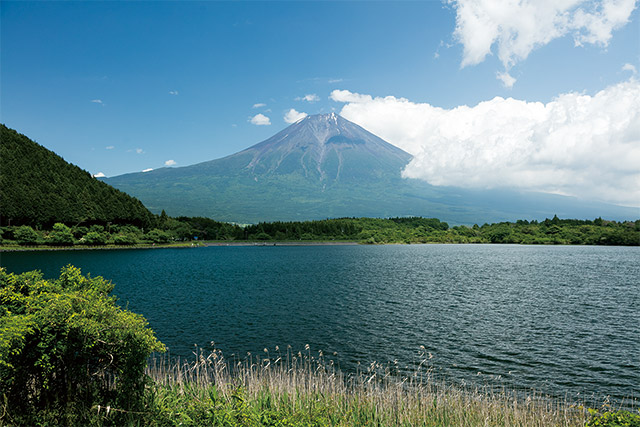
(306, 388)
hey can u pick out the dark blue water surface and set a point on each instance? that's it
(564, 320)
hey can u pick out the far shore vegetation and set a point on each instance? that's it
(69, 355)
(186, 231)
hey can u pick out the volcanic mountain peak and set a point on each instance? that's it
(325, 146)
(320, 129)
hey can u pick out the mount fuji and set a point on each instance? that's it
(324, 166)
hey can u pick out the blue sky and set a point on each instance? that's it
(118, 87)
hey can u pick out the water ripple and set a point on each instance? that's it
(563, 320)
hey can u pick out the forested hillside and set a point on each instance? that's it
(39, 188)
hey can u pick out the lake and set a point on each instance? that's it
(563, 320)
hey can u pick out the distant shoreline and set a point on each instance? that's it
(174, 246)
(258, 244)
(285, 243)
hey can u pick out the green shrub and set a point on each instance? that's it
(65, 346)
(262, 236)
(60, 236)
(79, 231)
(94, 238)
(26, 235)
(158, 236)
(613, 419)
(125, 239)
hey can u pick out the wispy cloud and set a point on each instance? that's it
(518, 27)
(173, 92)
(170, 163)
(97, 101)
(99, 175)
(293, 116)
(507, 79)
(312, 97)
(630, 67)
(259, 105)
(260, 120)
(109, 147)
(139, 150)
(581, 145)
(331, 81)
(436, 54)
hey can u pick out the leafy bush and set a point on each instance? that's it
(79, 231)
(61, 235)
(94, 238)
(26, 235)
(262, 236)
(613, 419)
(66, 346)
(125, 239)
(158, 236)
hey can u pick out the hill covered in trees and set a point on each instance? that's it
(39, 188)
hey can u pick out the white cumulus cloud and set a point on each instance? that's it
(293, 116)
(170, 163)
(582, 145)
(516, 27)
(312, 97)
(99, 175)
(346, 96)
(260, 120)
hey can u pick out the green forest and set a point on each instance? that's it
(167, 230)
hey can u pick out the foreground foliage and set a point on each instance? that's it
(304, 389)
(65, 346)
(613, 419)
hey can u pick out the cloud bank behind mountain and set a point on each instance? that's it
(580, 145)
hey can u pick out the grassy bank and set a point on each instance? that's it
(304, 389)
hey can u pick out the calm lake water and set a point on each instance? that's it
(564, 320)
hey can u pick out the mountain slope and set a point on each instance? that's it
(325, 149)
(38, 187)
(325, 167)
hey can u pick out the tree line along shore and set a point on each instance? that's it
(164, 230)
